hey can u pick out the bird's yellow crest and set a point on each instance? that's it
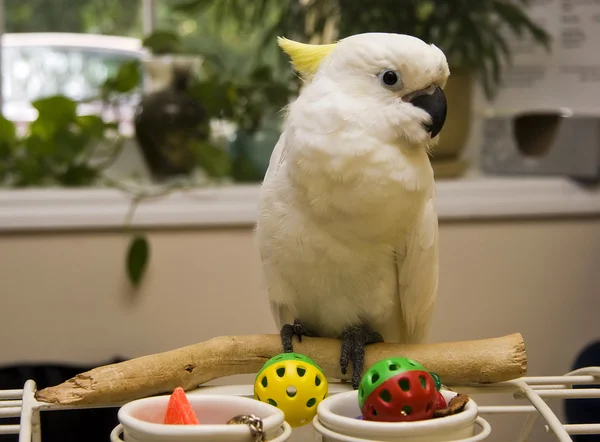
(306, 58)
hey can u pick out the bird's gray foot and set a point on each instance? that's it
(287, 333)
(354, 340)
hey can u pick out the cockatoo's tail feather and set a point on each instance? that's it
(306, 58)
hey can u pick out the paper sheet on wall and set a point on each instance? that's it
(568, 76)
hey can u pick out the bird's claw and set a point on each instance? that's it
(287, 333)
(354, 341)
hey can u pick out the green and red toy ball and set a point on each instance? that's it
(399, 390)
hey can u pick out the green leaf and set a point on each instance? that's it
(192, 6)
(137, 258)
(8, 137)
(262, 73)
(127, 78)
(42, 129)
(217, 98)
(65, 146)
(92, 126)
(214, 161)
(58, 109)
(244, 171)
(162, 42)
(518, 20)
(78, 175)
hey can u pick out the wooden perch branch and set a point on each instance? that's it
(482, 361)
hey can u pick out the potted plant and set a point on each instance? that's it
(257, 99)
(472, 33)
(171, 124)
(228, 86)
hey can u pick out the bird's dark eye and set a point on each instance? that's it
(390, 79)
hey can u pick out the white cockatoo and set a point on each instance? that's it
(348, 228)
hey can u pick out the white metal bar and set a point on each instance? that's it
(552, 420)
(585, 371)
(10, 429)
(551, 387)
(10, 412)
(29, 402)
(527, 427)
(36, 426)
(582, 393)
(11, 394)
(563, 380)
(536, 390)
(44, 406)
(7, 404)
(529, 424)
(580, 428)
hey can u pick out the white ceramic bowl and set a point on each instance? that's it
(336, 420)
(307, 433)
(141, 420)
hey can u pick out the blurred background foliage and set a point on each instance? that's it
(211, 29)
(237, 39)
(114, 17)
(472, 33)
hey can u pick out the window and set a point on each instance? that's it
(32, 71)
(35, 66)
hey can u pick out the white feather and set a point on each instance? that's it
(347, 229)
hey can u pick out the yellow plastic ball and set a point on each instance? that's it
(293, 383)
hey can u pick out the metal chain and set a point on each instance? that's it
(255, 423)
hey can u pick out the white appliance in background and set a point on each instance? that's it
(545, 119)
(36, 65)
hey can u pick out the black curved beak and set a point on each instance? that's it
(435, 105)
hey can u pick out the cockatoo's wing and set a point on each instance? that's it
(277, 158)
(418, 270)
(280, 313)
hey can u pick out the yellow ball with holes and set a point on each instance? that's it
(293, 383)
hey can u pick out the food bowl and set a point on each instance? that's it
(336, 420)
(142, 421)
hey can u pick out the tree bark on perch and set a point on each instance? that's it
(481, 361)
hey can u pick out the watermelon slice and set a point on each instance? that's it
(179, 410)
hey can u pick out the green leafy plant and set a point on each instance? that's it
(240, 88)
(212, 160)
(138, 254)
(61, 148)
(244, 100)
(235, 90)
(472, 33)
(163, 42)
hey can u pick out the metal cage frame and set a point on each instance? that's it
(535, 390)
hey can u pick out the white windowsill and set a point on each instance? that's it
(464, 199)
